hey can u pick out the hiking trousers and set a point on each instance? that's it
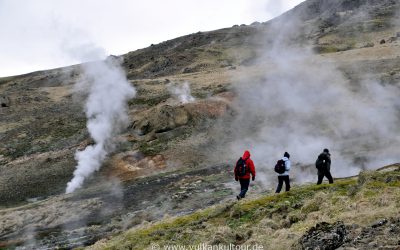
(322, 174)
(244, 186)
(281, 179)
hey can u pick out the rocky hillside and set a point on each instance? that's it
(175, 157)
(330, 26)
(353, 213)
(43, 124)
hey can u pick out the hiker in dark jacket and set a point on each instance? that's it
(284, 177)
(323, 164)
(244, 179)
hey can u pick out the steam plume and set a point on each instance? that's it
(304, 103)
(182, 93)
(107, 92)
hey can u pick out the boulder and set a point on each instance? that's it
(162, 119)
(187, 70)
(324, 236)
(4, 101)
(168, 118)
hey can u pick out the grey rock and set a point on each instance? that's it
(4, 101)
(324, 236)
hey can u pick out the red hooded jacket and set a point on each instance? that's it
(251, 168)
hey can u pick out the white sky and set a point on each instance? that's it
(43, 34)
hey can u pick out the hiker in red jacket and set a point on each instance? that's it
(244, 167)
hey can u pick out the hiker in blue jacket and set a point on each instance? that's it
(284, 177)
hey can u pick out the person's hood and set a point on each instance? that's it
(285, 158)
(246, 155)
(326, 153)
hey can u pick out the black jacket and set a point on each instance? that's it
(325, 158)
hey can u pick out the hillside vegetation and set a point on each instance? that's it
(175, 158)
(346, 212)
(43, 123)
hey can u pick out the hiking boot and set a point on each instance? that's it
(238, 197)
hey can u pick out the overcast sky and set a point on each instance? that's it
(43, 34)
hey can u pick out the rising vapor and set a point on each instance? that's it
(107, 91)
(182, 93)
(304, 103)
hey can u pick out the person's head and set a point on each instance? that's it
(286, 154)
(246, 154)
(326, 150)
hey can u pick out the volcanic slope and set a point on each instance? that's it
(170, 159)
(352, 213)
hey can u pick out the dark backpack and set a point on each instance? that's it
(280, 167)
(241, 167)
(319, 164)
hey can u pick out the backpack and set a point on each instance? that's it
(319, 164)
(280, 166)
(241, 167)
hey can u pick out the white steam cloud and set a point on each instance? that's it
(303, 103)
(107, 91)
(306, 105)
(182, 93)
